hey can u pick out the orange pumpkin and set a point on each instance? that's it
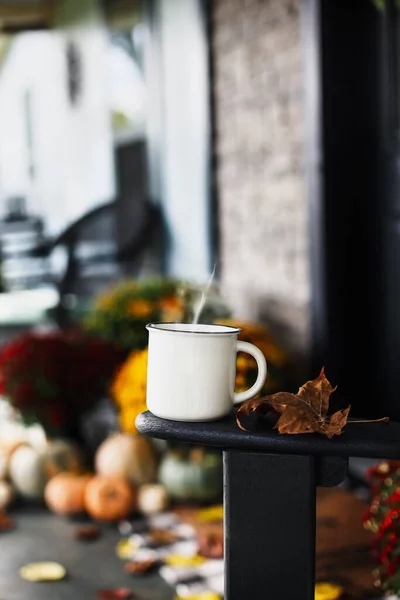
(65, 493)
(109, 498)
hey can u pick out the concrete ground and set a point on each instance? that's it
(40, 536)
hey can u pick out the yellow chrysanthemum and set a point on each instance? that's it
(246, 366)
(248, 327)
(240, 381)
(244, 361)
(139, 308)
(129, 389)
(127, 417)
(276, 355)
(172, 308)
(260, 336)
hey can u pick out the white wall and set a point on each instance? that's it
(72, 145)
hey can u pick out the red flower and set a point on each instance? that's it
(56, 376)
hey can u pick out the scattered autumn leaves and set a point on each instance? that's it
(304, 412)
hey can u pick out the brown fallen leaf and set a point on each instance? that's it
(304, 412)
(140, 567)
(87, 533)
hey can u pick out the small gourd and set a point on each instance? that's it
(31, 468)
(131, 456)
(196, 475)
(152, 499)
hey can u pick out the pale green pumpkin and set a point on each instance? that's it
(196, 475)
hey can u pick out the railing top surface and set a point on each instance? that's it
(372, 440)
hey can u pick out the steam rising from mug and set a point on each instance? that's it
(203, 298)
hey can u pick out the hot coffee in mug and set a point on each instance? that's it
(191, 371)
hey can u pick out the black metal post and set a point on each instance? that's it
(269, 526)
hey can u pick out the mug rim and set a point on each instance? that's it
(209, 328)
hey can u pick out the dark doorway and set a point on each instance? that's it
(355, 234)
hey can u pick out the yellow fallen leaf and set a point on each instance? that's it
(328, 591)
(125, 549)
(177, 560)
(202, 596)
(208, 515)
(42, 571)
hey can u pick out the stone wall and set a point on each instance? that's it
(258, 66)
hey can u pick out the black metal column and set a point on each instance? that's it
(269, 504)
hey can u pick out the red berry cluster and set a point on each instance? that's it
(383, 519)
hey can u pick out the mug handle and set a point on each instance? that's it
(262, 371)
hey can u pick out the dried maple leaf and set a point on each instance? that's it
(336, 423)
(304, 412)
(316, 393)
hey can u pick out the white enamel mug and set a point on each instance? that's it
(192, 370)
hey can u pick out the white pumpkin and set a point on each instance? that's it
(130, 456)
(30, 468)
(6, 495)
